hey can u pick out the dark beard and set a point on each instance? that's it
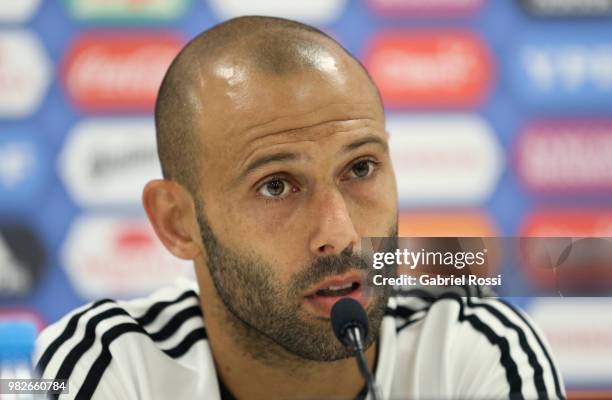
(263, 313)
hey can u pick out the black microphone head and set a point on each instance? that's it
(347, 313)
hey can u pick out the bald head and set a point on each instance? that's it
(272, 46)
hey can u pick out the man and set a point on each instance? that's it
(276, 164)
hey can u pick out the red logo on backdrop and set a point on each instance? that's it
(130, 238)
(569, 250)
(430, 69)
(115, 256)
(421, 7)
(566, 155)
(568, 223)
(118, 72)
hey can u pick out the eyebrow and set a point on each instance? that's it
(362, 142)
(267, 159)
(289, 156)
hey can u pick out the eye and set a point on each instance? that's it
(362, 169)
(275, 188)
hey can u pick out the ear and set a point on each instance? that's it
(171, 211)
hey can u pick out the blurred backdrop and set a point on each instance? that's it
(500, 115)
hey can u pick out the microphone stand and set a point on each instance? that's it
(355, 342)
(350, 325)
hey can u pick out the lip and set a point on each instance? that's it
(338, 280)
(321, 305)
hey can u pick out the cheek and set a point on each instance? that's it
(275, 233)
(374, 207)
(275, 229)
(379, 195)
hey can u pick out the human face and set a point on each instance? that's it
(296, 171)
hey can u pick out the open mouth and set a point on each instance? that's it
(322, 298)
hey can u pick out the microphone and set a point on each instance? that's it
(350, 325)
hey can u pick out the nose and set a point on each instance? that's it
(333, 231)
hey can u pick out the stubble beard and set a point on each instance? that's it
(267, 320)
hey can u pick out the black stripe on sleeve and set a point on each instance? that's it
(89, 338)
(531, 356)
(538, 375)
(512, 375)
(94, 375)
(555, 373)
(69, 363)
(99, 366)
(183, 347)
(405, 313)
(68, 332)
(399, 311)
(175, 323)
(149, 316)
(103, 361)
(153, 311)
(533, 359)
(408, 323)
(538, 370)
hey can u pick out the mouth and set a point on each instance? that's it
(320, 299)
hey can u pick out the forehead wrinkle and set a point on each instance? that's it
(336, 127)
(265, 124)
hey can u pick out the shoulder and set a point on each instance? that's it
(483, 346)
(139, 336)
